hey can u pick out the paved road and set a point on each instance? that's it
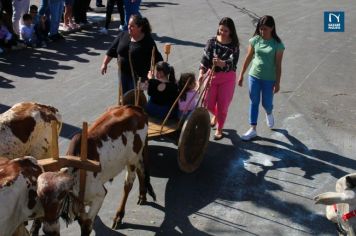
(264, 187)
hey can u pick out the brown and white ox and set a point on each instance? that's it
(25, 130)
(341, 205)
(18, 193)
(117, 139)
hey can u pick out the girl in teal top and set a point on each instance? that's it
(265, 51)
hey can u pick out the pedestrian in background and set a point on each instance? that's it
(266, 52)
(68, 23)
(80, 8)
(6, 14)
(53, 9)
(109, 10)
(222, 51)
(19, 7)
(41, 26)
(27, 31)
(131, 7)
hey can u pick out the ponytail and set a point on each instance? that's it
(143, 23)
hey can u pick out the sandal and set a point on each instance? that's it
(213, 122)
(218, 136)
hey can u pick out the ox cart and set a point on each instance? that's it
(191, 132)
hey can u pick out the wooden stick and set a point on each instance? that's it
(207, 85)
(172, 107)
(153, 60)
(137, 102)
(120, 96)
(133, 76)
(83, 157)
(84, 142)
(55, 150)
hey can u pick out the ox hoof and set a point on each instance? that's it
(141, 201)
(116, 224)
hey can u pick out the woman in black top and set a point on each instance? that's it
(139, 43)
(162, 89)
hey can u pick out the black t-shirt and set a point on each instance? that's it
(165, 97)
(141, 53)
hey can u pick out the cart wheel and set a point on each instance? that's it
(129, 98)
(193, 140)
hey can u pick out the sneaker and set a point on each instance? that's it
(270, 120)
(103, 30)
(250, 134)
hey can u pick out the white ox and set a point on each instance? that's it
(341, 205)
(25, 130)
(117, 140)
(18, 193)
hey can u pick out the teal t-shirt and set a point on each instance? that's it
(264, 59)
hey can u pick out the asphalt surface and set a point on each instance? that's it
(263, 187)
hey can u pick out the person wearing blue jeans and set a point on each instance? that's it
(131, 7)
(258, 87)
(266, 52)
(56, 9)
(99, 3)
(109, 10)
(53, 9)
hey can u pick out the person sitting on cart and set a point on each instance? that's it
(162, 91)
(189, 98)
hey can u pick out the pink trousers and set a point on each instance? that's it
(220, 95)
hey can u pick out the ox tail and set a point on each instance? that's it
(150, 190)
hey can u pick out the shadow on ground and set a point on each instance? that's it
(5, 83)
(222, 179)
(174, 41)
(44, 63)
(156, 4)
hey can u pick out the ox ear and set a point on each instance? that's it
(351, 181)
(330, 198)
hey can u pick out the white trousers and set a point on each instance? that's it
(19, 7)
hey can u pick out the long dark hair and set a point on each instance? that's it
(143, 23)
(267, 21)
(184, 77)
(229, 23)
(167, 70)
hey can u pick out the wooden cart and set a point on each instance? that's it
(193, 133)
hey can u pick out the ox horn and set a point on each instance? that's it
(327, 198)
(330, 198)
